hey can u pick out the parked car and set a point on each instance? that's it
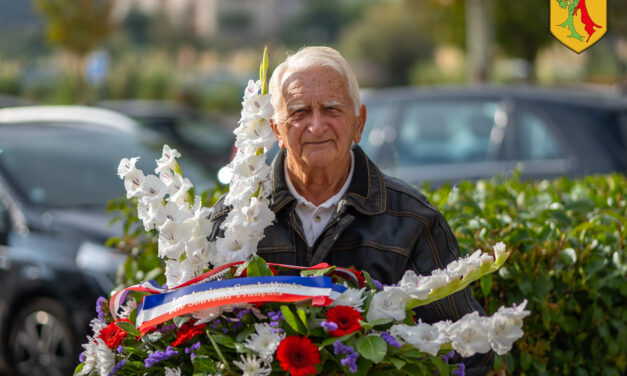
(206, 137)
(440, 135)
(58, 169)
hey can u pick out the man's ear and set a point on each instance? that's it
(277, 134)
(361, 122)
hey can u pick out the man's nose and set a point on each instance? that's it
(318, 123)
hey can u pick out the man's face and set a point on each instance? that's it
(316, 121)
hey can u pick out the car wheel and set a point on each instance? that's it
(41, 341)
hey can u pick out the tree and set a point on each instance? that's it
(389, 40)
(77, 26)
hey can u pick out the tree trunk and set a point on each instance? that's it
(479, 37)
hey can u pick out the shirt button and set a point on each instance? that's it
(317, 218)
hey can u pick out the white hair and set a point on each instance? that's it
(313, 57)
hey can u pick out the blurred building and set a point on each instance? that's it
(252, 19)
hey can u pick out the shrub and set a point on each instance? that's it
(568, 239)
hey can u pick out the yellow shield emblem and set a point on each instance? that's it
(578, 24)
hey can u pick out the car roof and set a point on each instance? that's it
(80, 114)
(576, 96)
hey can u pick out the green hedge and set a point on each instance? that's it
(568, 239)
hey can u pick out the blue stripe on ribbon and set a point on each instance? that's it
(152, 301)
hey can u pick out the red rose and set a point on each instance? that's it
(346, 318)
(187, 331)
(298, 355)
(112, 335)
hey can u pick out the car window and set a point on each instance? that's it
(535, 139)
(70, 167)
(435, 132)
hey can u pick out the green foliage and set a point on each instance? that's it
(76, 25)
(568, 240)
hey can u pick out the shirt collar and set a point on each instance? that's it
(331, 201)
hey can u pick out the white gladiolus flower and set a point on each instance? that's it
(253, 88)
(172, 272)
(127, 166)
(207, 315)
(133, 182)
(470, 335)
(414, 285)
(240, 190)
(167, 160)
(438, 278)
(149, 210)
(505, 327)
(388, 304)
(152, 186)
(179, 189)
(252, 366)
(105, 358)
(264, 341)
(233, 248)
(172, 371)
(426, 338)
(499, 250)
(352, 298)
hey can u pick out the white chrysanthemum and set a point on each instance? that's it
(96, 326)
(167, 160)
(352, 298)
(105, 358)
(127, 166)
(264, 341)
(469, 335)
(172, 371)
(414, 285)
(388, 304)
(426, 338)
(91, 359)
(252, 366)
(128, 308)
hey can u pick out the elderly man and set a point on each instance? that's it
(332, 203)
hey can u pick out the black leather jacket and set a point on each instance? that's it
(381, 225)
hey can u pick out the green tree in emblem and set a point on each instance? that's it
(570, 5)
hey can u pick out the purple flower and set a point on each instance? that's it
(350, 360)
(120, 349)
(242, 313)
(387, 337)
(447, 357)
(117, 367)
(461, 371)
(378, 284)
(159, 356)
(101, 303)
(167, 328)
(81, 357)
(329, 326)
(190, 350)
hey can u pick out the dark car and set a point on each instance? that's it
(208, 138)
(440, 135)
(58, 169)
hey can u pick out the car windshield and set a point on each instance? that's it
(63, 167)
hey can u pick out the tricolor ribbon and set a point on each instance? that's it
(207, 291)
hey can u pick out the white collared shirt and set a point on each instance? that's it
(315, 218)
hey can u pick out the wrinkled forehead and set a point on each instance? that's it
(323, 82)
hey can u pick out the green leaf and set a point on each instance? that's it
(292, 320)
(244, 333)
(79, 368)
(397, 362)
(224, 340)
(372, 347)
(303, 318)
(332, 340)
(486, 284)
(257, 267)
(129, 328)
(441, 366)
(180, 320)
(371, 324)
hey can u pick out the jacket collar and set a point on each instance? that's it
(366, 192)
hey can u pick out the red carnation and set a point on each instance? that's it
(346, 318)
(187, 331)
(360, 276)
(112, 335)
(298, 355)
